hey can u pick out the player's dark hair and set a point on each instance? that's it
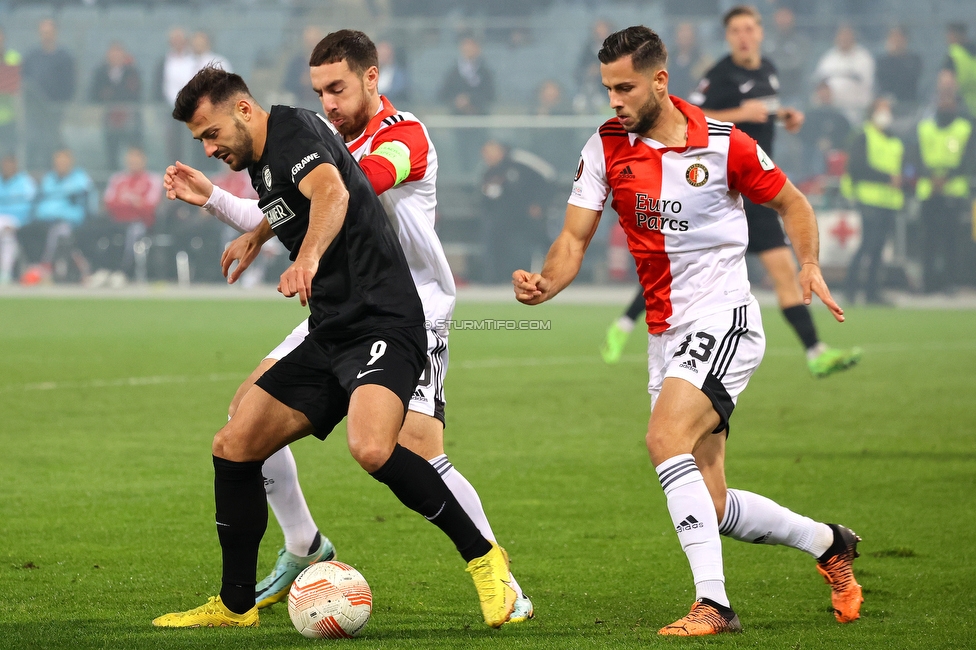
(349, 45)
(642, 44)
(213, 83)
(741, 10)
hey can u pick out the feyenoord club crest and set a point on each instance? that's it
(267, 176)
(696, 175)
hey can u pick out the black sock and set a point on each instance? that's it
(637, 307)
(242, 517)
(419, 487)
(798, 316)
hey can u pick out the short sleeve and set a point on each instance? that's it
(411, 137)
(303, 154)
(590, 188)
(751, 171)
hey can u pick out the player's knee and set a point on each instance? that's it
(370, 453)
(232, 446)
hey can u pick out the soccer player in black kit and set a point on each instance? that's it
(363, 356)
(743, 88)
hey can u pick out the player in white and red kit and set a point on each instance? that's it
(399, 159)
(677, 181)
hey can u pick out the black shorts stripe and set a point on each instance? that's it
(437, 368)
(730, 343)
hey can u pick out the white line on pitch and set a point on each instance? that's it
(473, 364)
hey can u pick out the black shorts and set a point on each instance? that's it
(765, 229)
(318, 377)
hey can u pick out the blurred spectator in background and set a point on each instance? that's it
(515, 195)
(67, 197)
(558, 147)
(873, 182)
(203, 54)
(468, 89)
(591, 96)
(17, 192)
(177, 67)
(849, 70)
(898, 72)
(49, 81)
(298, 82)
(792, 50)
(131, 199)
(825, 134)
(118, 86)
(394, 83)
(550, 100)
(469, 86)
(686, 62)
(944, 157)
(961, 62)
(10, 61)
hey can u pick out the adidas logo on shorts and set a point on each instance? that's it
(689, 365)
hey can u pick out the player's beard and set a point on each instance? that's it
(242, 147)
(647, 115)
(352, 126)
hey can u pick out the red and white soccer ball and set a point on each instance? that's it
(330, 600)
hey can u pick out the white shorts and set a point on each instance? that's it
(717, 353)
(428, 397)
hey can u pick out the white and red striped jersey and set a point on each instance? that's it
(411, 202)
(681, 209)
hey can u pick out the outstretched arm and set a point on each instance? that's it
(192, 186)
(801, 227)
(563, 260)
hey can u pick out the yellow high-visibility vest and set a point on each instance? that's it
(965, 74)
(885, 154)
(942, 151)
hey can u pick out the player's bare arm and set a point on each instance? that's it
(563, 260)
(244, 250)
(750, 110)
(187, 184)
(323, 186)
(801, 227)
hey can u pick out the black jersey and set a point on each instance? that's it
(363, 282)
(727, 85)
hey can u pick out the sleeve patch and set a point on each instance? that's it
(398, 155)
(764, 160)
(301, 164)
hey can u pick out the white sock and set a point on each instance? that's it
(693, 515)
(816, 351)
(753, 518)
(626, 324)
(288, 502)
(468, 497)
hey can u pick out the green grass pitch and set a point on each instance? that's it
(107, 409)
